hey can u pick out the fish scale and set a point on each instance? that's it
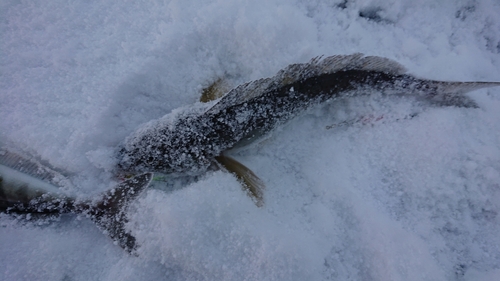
(188, 145)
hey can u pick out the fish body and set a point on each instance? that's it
(188, 145)
(24, 180)
(17, 187)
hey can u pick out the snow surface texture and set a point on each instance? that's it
(387, 198)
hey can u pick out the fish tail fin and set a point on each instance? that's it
(453, 93)
(109, 211)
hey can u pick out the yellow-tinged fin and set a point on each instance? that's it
(215, 90)
(252, 184)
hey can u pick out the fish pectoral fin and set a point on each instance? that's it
(109, 212)
(252, 184)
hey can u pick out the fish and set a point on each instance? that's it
(190, 143)
(28, 186)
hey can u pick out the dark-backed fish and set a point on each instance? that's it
(190, 143)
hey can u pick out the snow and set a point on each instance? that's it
(389, 198)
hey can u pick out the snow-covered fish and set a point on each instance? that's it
(29, 187)
(190, 144)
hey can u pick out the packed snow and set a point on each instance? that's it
(371, 188)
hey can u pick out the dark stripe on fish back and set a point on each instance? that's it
(188, 145)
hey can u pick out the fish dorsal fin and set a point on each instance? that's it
(109, 212)
(332, 64)
(242, 93)
(301, 71)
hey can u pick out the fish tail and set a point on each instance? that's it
(108, 212)
(453, 93)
